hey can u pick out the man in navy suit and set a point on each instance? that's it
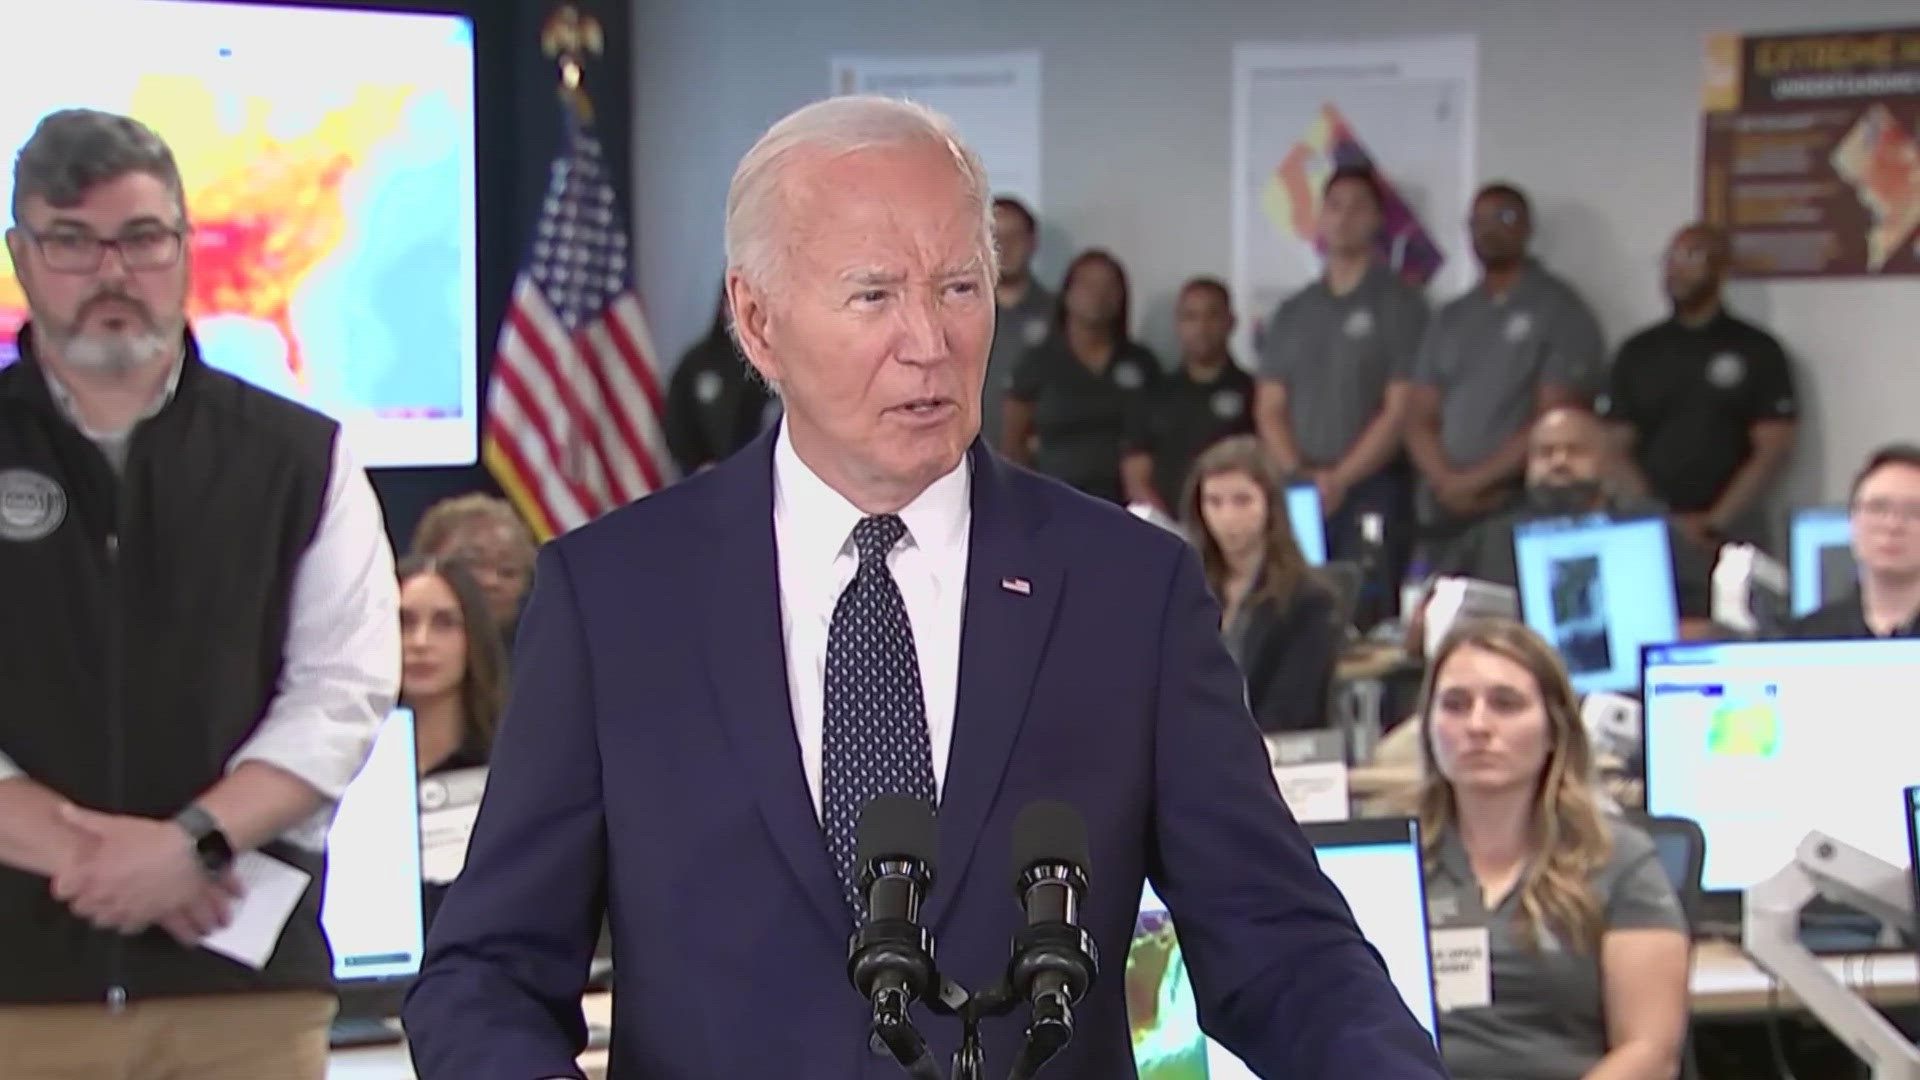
(879, 605)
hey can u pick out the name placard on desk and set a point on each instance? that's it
(1311, 769)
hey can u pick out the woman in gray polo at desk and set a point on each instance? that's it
(1567, 952)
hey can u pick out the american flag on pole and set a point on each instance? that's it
(574, 408)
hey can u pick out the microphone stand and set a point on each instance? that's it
(1047, 1035)
(896, 1032)
(970, 1062)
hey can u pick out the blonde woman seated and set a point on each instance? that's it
(1588, 947)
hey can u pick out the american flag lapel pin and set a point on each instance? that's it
(1018, 585)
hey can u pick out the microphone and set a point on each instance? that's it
(890, 958)
(1054, 960)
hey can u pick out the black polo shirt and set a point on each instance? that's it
(1844, 619)
(1691, 396)
(1081, 417)
(1183, 416)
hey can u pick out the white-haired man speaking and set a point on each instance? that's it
(883, 608)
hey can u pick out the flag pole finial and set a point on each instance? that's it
(570, 39)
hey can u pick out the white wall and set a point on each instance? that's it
(1592, 105)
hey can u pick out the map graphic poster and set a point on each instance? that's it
(332, 204)
(1810, 151)
(1302, 110)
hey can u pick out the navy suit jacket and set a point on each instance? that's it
(648, 768)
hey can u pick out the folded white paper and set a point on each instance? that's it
(271, 889)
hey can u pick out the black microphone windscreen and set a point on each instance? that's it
(1049, 831)
(896, 827)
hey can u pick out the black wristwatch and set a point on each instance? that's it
(210, 845)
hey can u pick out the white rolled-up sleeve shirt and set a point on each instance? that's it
(340, 676)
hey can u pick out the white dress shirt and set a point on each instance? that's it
(341, 664)
(813, 537)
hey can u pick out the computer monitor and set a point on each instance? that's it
(1598, 589)
(1821, 544)
(1762, 741)
(371, 912)
(1374, 862)
(335, 247)
(1309, 522)
(1910, 804)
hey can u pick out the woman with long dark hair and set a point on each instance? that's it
(1277, 618)
(453, 666)
(1074, 395)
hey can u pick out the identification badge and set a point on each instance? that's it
(1462, 968)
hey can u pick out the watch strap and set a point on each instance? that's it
(210, 844)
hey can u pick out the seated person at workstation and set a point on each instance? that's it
(1885, 516)
(1278, 619)
(1566, 466)
(1207, 399)
(453, 672)
(487, 536)
(1586, 942)
(1703, 402)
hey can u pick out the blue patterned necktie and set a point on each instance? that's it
(874, 739)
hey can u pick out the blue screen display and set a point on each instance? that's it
(1821, 543)
(1309, 523)
(1598, 590)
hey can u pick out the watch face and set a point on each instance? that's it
(214, 851)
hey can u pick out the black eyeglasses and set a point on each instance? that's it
(75, 251)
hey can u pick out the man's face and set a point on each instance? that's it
(108, 309)
(1203, 321)
(1501, 229)
(1886, 521)
(877, 325)
(1565, 450)
(1349, 218)
(1692, 268)
(1015, 241)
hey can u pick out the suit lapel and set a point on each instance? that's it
(747, 655)
(1013, 591)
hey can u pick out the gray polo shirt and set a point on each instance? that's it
(1336, 355)
(1015, 330)
(1548, 1016)
(1489, 355)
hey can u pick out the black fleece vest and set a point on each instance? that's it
(142, 622)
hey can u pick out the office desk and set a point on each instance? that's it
(391, 1062)
(1725, 984)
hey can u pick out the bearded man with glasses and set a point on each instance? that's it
(201, 641)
